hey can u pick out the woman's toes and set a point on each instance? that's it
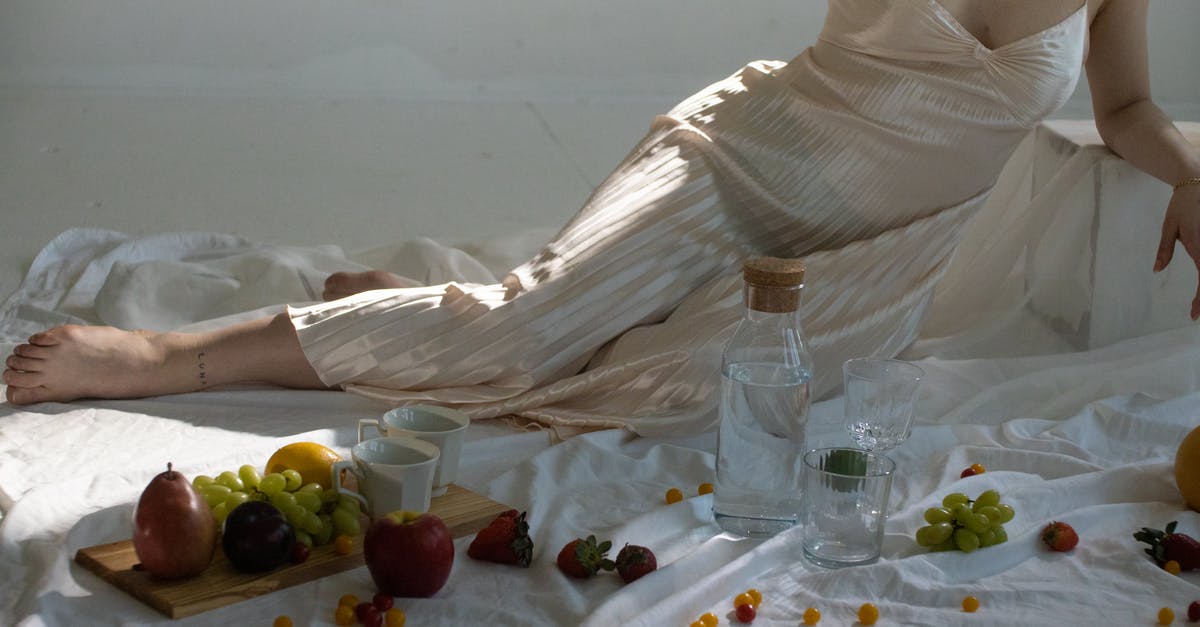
(25, 396)
(21, 379)
(26, 364)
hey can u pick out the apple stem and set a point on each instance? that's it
(170, 472)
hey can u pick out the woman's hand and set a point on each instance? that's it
(1182, 223)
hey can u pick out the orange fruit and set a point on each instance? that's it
(1187, 468)
(311, 460)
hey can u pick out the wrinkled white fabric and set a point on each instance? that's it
(865, 155)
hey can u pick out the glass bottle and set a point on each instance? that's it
(765, 374)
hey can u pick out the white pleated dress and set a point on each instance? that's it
(865, 155)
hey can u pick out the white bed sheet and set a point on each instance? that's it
(1086, 437)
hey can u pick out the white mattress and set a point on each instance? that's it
(1085, 437)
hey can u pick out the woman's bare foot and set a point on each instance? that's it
(343, 284)
(70, 362)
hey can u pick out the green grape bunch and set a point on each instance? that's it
(965, 525)
(318, 514)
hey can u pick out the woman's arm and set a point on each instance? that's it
(1136, 129)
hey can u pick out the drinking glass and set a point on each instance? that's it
(845, 505)
(880, 398)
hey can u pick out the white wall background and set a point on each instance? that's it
(471, 48)
(360, 121)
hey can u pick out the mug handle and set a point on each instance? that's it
(368, 422)
(335, 471)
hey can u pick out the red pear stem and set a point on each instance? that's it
(170, 472)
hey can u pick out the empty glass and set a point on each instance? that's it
(880, 397)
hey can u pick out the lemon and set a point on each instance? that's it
(311, 460)
(1187, 468)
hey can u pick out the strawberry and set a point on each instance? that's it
(634, 561)
(1059, 536)
(1166, 545)
(505, 540)
(582, 558)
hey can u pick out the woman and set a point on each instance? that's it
(865, 155)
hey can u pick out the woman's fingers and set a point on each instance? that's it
(1166, 244)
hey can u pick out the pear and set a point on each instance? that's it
(174, 532)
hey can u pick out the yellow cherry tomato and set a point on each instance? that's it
(697, 623)
(709, 619)
(674, 495)
(343, 545)
(348, 599)
(812, 616)
(394, 617)
(704, 488)
(282, 621)
(868, 614)
(756, 595)
(344, 616)
(743, 599)
(1166, 616)
(1172, 567)
(970, 603)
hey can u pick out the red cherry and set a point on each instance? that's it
(745, 613)
(1194, 611)
(300, 553)
(367, 613)
(383, 602)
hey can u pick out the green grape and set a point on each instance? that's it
(989, 497)
(310, 523)
(215, 493)
(199, 481)
(313, 487)
(954, 499)
(307, 500)
(932, 535)
(230, 480)
(948, 545)
(303, 537)
(1001, 534)
(942, 532)
(991, 511)
(282, 500)
(294, 514)
(962, 514)
(330, 496)
(349, 502)
(345, 522)
(234, 499)
(249, 476)
(987, 537)
(935, 515)
(1006, 512)
(326, 533)
(966, 540)
(293, 479)
(922, 536)
(220, 512)
(977, 523)
(272, 483)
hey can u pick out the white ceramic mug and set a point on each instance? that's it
(440, 426)
(393, 474)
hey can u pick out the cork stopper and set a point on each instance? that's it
(773, 284)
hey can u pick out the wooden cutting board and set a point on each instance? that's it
(463, 511)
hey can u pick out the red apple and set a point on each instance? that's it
(409, 554)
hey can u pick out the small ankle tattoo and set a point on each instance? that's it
(203, 375)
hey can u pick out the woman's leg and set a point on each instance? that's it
(69, 362)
